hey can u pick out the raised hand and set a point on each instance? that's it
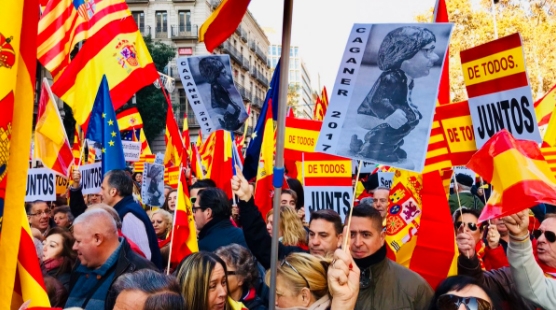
(518, 223)
(493, 236)
(240, 186)
(343, 280)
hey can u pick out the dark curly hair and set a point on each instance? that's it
(243, 261)
(210, 67)
(402, 44)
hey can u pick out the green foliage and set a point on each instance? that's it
(293, 95)
(150, 100)
(473, 25)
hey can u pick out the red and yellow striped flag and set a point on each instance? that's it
(438, 154)
(64, 23)
(549, 154)
(222, 23)
(20, 274)
(117, 51)
(216, 157)
(441, 16)
(517, 171)
(76, 147)
(139, 166)
(549, 139)
(174, 142)
(544, 108)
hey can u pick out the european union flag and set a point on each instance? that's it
(103, 128)
(253, 152)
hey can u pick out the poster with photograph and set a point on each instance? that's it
(210, 89)
(382, 106)
(152, 189)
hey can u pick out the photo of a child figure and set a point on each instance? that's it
(391, 110)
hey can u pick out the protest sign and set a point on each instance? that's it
(152, 189)
(91, 178)
(385, 179)
(40, 185)
(327, 183)
(132, 150)
(457, 127)
(366, 167)
(172, 176)
(210, 88)
(382, 106)
(300, 136)
(499, 94)
(62, 185)
(138, 166)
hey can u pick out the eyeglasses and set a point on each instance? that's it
(453, 302)
(193, 199)
(194, 209)
(285, 262)
(40, 214)
(471, 226)
(549, 235)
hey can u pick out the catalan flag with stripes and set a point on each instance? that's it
(174, 142)
(222, 23)
(139, 166)
(549, 139)
(544, 108)
(549, 154)
(116, 51)
(518, 172)
(20, 274)
(64, 23)
(76, 147)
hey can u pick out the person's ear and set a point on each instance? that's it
(306, 296)
(209, 212)
(113, 192)
(98, 239)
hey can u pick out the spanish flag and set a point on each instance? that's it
(222, 23)
(264, 190)
(51, 142)
(549, 139)
(544, 108)
(174, 143)
(441, 16)
(518, 172)
(130, 120)
(117, 51)
(64, 23)
(20, 273)
(216, 156)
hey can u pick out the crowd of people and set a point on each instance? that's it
(108, 251)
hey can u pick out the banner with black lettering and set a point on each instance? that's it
(152, 189)
(498, 88)
(132, 150)
(382, 106)
(91, 178)
(62, 185)
(209, 86)
(40, 185)
(385, 179)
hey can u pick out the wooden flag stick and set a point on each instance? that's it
(346, 240)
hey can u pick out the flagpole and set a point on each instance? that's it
(173, 226)
(278, 177)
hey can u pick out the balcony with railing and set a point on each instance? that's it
(245, 94)
(145, 31)
(243, 34)
(191, 120)
(257, 102)
(137, 1)
(227, 48)
(245, 64)
(161, 32)
(214, 3)
(183, 0)
(261, 54)
(252, 45)
(187, 31)
(238, 30)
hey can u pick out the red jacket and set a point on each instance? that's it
(491, 258)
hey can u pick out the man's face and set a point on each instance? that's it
(39, 216)
(323, 239)
(108, 193)
(86, 246)
(380, 201)
(130, 300)
(201, 217)
(420, 64)
(469, 224)
(546, 250)
(95, 198)
(287, 200)
(195, 192)
(365, 239)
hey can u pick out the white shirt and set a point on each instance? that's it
(134, 229)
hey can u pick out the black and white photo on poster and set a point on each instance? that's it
(152, 189)
(385, 94)
(210, 89)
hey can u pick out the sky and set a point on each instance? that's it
(321, 28)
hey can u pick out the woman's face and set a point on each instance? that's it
(160, 225)
(465, 221)
(61, 220)
(139, 177)
(471, 291)
(52, 246)
(218, 289)
(285, 296)
(420, 64)
(235, 281)
(172, 201)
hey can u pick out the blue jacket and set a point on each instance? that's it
(218, 233)
(127, 205)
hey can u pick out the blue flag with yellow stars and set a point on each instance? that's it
(103, 129)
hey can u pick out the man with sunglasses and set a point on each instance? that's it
(384, 284)
(534, 277)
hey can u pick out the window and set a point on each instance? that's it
(139, 18)
(279, 50)
(162, 22)
(184, 20)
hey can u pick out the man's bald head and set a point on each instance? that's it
(96, 237)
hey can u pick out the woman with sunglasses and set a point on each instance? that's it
(469, 231)
(462, 293)
(534, 274)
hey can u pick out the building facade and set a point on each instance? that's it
(299, 80)
(176, 23)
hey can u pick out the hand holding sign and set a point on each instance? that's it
(240, 186)
(76, 178)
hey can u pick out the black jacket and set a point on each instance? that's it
(77, 202)
(218, 233)
(258, 239)
(128, 262)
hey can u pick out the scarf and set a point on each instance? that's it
(549, 272)
(377, 257)
(53, 263)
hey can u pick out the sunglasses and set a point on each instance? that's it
(549, 235)
(285, 262)
(453, 302)
(193, 199)
(471, 226)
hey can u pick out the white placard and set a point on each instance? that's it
(512, 109)
(132, 150)
(41, 185)
(385, 179)
(91, 178)
(337, 198)
(383, 102)
(152, 189)
(366, 167)
(209, 86)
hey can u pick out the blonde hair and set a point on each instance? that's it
(313, 268)
(167, 216)
(292, 229)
